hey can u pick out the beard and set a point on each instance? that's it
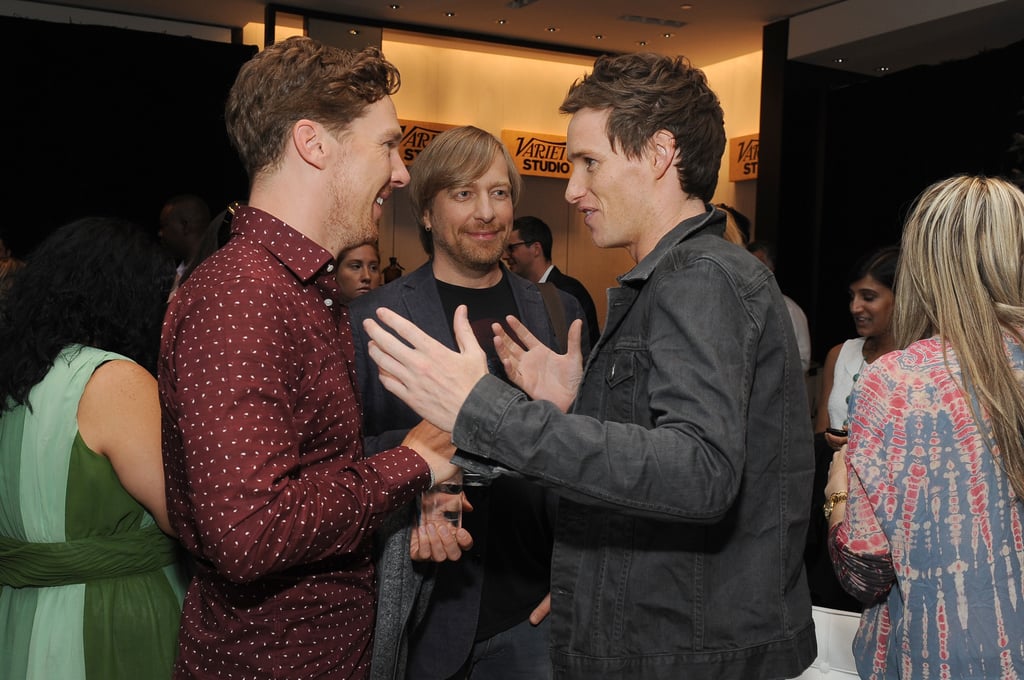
(474, 256)
(349, 224)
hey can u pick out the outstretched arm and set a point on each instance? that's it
(432, 379)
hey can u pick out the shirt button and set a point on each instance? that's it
(330, 268)
(328, 302)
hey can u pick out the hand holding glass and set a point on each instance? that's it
(442, 503)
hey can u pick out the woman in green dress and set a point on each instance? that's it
(91, 584)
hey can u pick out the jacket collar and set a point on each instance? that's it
(713, 220)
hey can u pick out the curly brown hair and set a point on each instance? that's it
(301, 78)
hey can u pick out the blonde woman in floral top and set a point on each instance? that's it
(931, 536)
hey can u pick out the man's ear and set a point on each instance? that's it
(663, 152)
(309, 139)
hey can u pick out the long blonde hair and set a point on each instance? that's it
(961, 277)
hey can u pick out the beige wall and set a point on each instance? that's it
(498, 88)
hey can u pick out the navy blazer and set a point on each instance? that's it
(386, 418)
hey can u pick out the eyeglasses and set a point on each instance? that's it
(512, 246)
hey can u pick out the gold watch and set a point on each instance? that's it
(833, 500)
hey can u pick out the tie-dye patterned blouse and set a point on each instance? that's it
(932, 540)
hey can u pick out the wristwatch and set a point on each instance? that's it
(833, 500)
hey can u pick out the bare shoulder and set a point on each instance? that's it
(119, 378)
(120, 396)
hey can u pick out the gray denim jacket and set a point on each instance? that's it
(684, 470)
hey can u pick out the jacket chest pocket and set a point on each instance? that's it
(623, 379)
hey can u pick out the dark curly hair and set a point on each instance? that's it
(98, 281)
(646, 93)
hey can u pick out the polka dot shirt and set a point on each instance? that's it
(267, 485)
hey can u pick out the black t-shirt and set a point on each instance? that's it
(517, 562)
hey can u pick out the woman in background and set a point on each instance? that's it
(926, 512)
(91, 585)
(358, 271)
(871, 286)
(871, 306)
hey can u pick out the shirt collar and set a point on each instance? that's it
(305, 258)
(546, 274)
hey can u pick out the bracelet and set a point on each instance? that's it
(833, 500)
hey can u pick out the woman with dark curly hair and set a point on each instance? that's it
(90, 584)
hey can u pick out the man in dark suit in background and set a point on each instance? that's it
(528, 254)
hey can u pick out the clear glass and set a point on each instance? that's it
(442, 503)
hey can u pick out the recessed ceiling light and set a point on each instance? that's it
(641, 43)
(882, 68)
(552, 29)
(502, 22)
(667, 35)
(839, 60)
(395, 5)
(353, 31)
(449, 14)
(598, 36)
(687, 6)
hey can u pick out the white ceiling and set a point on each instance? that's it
(898, 33)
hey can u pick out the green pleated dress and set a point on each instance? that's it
(90, 588)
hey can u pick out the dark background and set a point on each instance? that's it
(842, 158)
(111, 121)
(108, 121)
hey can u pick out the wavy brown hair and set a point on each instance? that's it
(301, 78)
(647, 93)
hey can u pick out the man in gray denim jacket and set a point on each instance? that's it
(682, 452)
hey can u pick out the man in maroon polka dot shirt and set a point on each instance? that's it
(267, 484)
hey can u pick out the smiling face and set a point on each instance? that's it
(367, 169)
(606, 186)
(358, 270)
(470, 224)
(871, 304)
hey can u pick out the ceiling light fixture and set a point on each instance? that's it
(667, 35)
(839, 60)
(353, 31)
(395, 5)
(552, 29)
(598, 36)
(687, 6)
(882, 68)
(449, 14)
(641, 43)
(667, 23)
(501, 22)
